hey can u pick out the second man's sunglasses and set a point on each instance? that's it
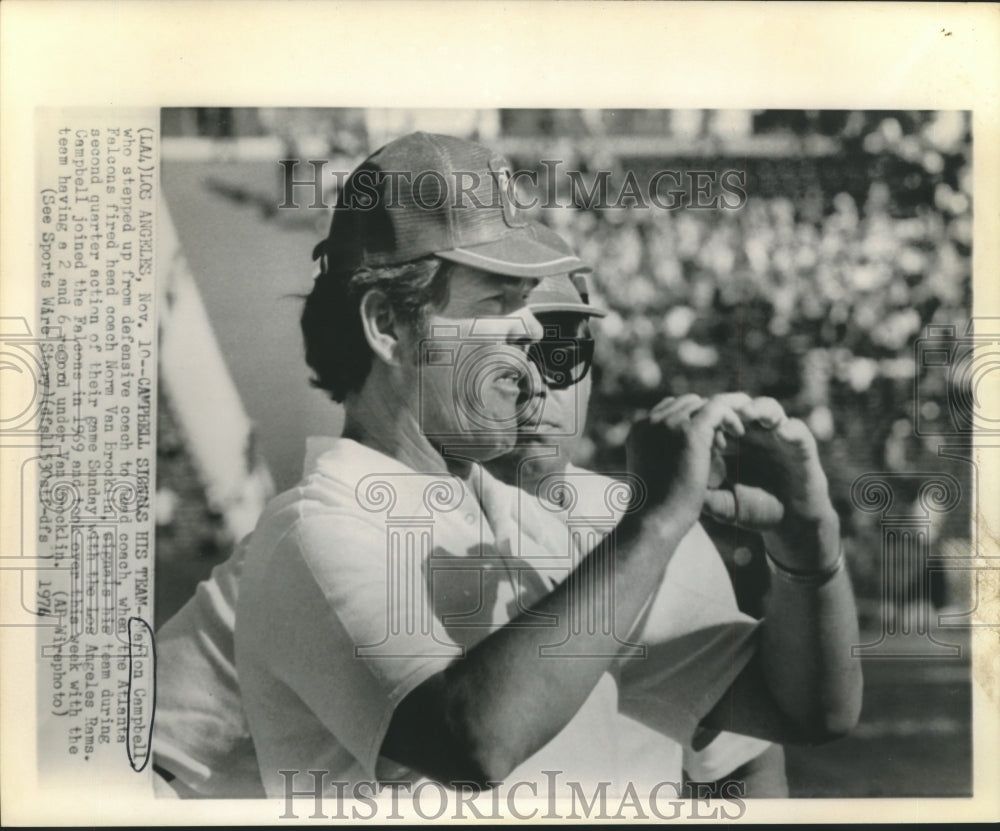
(562, 362)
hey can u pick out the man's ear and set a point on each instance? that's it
(380, 326)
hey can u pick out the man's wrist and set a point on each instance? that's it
(807, 545)
(806, 577)
(654, 522)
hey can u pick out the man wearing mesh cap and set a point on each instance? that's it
(394, 619)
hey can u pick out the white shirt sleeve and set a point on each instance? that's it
(697, 642)
(200, 733)
(722, 756)
(332, 616)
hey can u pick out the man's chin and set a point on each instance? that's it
(536, 452)
(480, 447)
(537, 437)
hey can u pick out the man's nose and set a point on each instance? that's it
(526, 330)
(532, 385)
(524, 327)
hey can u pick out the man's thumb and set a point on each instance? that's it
(743, 505)
(720, 505)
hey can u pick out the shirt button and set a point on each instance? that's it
(742, 556)
(470, 519)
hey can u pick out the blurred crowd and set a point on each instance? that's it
(816, 298)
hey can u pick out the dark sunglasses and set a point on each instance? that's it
(562, 362)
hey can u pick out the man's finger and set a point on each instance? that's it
(660, 405)
(736, 400)
(668, 407)
(719, 441)
(716, 414)
(795, 432)
(744, 505)
(765, 411)
(720, 504)
(682, 410)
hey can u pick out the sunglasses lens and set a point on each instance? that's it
(563, 362)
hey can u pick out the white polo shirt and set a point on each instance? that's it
(368, 578)
(200, 733)
(694, 606)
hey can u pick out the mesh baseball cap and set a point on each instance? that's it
(426, 194)
(563, 293)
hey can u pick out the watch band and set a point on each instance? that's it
(806, 578)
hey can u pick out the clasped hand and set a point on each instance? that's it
(742, 461)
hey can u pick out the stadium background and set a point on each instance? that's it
(856, 235)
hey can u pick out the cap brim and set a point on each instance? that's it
(566, 308)
(529, 251)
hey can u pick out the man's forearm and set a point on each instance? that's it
(802, 686)
(809, 629)
(505, 699)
